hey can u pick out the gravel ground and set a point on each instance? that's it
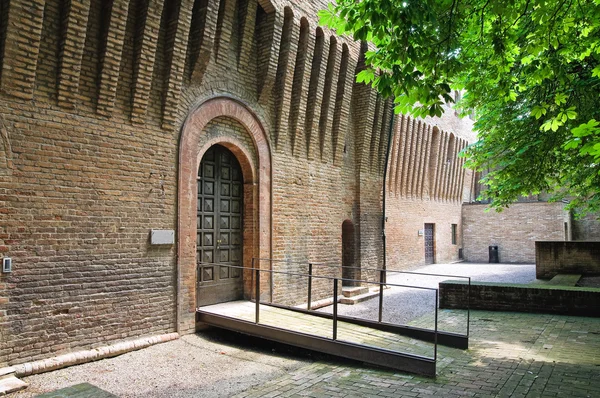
(214, 363)
(402, 305)
(217, 363)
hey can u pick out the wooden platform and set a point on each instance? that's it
(312, 332)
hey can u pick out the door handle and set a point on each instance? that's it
(218, 244)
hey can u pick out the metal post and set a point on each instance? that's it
(252, 281)
(257, 294)
(435, 337)
(381, 282)
(310, 271)
(469, 307)
(335, 307)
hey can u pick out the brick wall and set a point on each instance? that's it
(407, 218)
(426, 184)
(553, 258)
(586, 228)
(514, 230)
(96, 97)
(522, 298)
(77, 211)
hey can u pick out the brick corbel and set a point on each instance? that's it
(22, 47)
(71, 52)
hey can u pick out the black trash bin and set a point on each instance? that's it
(494, 258)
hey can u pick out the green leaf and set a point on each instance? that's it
(560, 98)
(530, 72)
(571, 114)
(572, 144)
(538, 111)
(365, 76)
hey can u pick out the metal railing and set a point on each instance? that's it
(381, 283)
(335, 282)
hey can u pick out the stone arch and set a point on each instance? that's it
(257, 193)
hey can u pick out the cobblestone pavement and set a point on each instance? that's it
(510, 355)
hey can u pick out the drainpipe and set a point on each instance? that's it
(384, 216)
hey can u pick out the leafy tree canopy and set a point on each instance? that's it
(530, 71)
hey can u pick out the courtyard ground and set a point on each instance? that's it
(510, 354)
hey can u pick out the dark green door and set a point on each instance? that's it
(219, 240)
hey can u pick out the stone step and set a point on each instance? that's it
(7, 372)
(565, 280)
(352, 291)
(360, 298)
(11, 384)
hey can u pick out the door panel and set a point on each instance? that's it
(219, 241)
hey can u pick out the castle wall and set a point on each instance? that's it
(95, 97)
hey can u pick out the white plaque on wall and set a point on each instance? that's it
(162, 237)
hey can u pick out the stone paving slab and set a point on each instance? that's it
(511, 355)
(83, 390)
(9, 383)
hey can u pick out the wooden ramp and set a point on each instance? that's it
(329, 335)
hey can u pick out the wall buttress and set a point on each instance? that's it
(71, 52)
(425, 162)
(268, 57)
(247, 33)
(176, 67)
(317, 84)
(403, 128)
(224, 29)
(144, 65)
(111, 58)
(377, 119)
(300, 93)
(284, 82)
(22, 47)
(383, 136)
(341, 116)
(393, 165)
(207, 42)
(328, 103)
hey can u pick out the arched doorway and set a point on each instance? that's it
(348, 254)
(219, 227)
(250, 147)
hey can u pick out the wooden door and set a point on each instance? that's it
(219, 227)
